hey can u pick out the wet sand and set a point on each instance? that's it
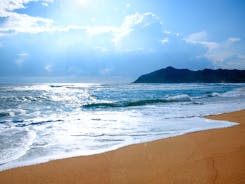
(213, 156)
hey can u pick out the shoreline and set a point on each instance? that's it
(209, 156)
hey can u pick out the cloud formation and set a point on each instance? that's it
(128, 25)
(21, 58)
(131, 21)
(48, 68)
(221, 54)
(164, 40)
(8, 6)
(22, 23)
(46, 2)
(111, 35)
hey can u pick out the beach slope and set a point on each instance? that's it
(213, 156)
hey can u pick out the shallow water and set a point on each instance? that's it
(41, 122)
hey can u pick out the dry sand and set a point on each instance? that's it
(214, 156)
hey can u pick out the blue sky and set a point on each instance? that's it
(109, 40)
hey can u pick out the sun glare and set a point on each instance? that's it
(82, 3)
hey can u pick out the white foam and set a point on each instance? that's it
(14, 144)
(235, 93)
(179, 98)
(175, 127)
(49, 134)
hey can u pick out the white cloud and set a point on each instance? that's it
(177, 34)
(96, 30)
(164, 40)
(131, 21)
(21, 58)
(167, 32)
(121, 31)
(48, 68)
(46, 2)
(221, 54)
(8, 6)
(23, 23)
(233, 40)
(18, 22)
(23, 54)
(197, 37)
(200, 38)
(127, 26)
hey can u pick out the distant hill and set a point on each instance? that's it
(173, 75)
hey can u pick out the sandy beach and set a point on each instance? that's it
(214, 156)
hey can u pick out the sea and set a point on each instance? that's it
(43, 122)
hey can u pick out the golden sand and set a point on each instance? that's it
(213, 156)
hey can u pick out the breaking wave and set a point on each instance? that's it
(177, 98)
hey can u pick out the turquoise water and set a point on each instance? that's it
(42, 122)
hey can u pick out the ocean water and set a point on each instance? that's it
(42, 122)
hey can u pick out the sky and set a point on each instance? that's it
(117, 40)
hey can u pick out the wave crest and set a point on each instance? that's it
(178, 98)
